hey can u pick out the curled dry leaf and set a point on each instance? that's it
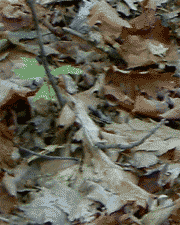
(139, 48)
(145, 21)
(67, 117)
(123, 100)
(173, 114)
(111, 23)
(157, 48)
(143, 159)
(15, 15)
(7, 202)
(158, 216)
(8, 89)
(150, 108)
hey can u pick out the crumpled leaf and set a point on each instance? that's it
(66, 118)
(157, 49)
(45, 209)
(123, 8)
(158, 216)
(15, 37)
(7, 203)
(158, 146)
(137, 39)
(150, 108)
(174, 113)
(147, 17)
(68, 199)
(9, 89)
(111, 23)
(131, 5)
(112, 93)
(143, 159)
(79, 21)
(150, 180)
(88, 97)
(109, 173)
(110, 201)
(15, 15)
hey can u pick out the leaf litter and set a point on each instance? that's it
(107, 151)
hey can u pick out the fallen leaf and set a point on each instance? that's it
(111, 23)
(112, 93)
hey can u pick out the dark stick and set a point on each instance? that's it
(48, 156)
(60, 98)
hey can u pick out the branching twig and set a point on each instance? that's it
(132, 145)
(61, 100)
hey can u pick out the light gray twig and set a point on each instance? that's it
(132, 145)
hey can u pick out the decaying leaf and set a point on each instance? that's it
(111, 23)
(151, 108)
(113, 94)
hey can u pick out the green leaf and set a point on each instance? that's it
(66, 70)
(30, 70)
(46, 92)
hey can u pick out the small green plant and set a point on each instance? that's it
(31, 70)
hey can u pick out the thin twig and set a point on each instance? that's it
(48, 156)
(61, 100)
(132, 145)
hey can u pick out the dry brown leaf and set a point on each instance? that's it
(9, 90)
(145, 21)
(150, 182)
(7, 149)
(15, 15)
(173, 114)
(158, 146)
(146, 28)
(112, 93)
(88, 97)
(149, 83)
(66, 118)
(137, 51)
(5, 131)
(149, 107)
(111, 23)
(158, 216)
(7, 202)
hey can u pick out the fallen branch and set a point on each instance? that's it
(132, 145)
